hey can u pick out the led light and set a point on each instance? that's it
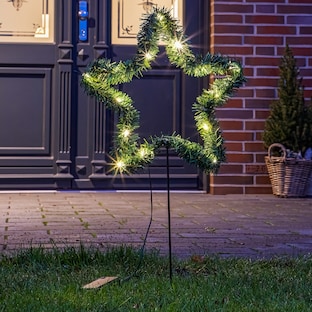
(118, 99)
(178, 45)
(217, 94)
(142, 152)
(87, 77)
(160, 17)
(206, 126)
(234, 67)
(126, 133)
(215, 160)
(117, 165)
(120, 164)
(148, 56)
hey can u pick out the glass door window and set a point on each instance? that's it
(27, 21)
(126, 17)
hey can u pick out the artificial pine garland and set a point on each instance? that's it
(128, 153)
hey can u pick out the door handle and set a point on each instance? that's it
(83, 15)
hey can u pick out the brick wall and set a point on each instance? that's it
(256, 32)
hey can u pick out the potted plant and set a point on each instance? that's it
(288, 133)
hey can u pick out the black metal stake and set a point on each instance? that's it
(169, 216)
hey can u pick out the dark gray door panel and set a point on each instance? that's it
(54, 136)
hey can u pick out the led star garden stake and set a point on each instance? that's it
(129, 153)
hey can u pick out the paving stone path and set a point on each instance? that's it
(234, 225)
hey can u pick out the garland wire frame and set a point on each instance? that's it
(130, 152)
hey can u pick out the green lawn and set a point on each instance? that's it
(38, 280)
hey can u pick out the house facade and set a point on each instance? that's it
(54, 136)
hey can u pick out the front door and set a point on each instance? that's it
(54, 136)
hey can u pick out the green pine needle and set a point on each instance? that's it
(103, 75)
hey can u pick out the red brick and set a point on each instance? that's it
(231, 125)
(301, 1)
(257, 82)
(227, 1)
(262, 61)
(299, 20)
(253, 147)
(260, 157)
(265, 40)
(224, 190)
(234, 147)
(233, 29)
(262, 114)
(299, 40)
(248, 71)
(245, 92)
(305, 30)
(235, 114)
(264, 19)
(228, 19)
(234, 103)
(305, 72)
(308, 94)
(254, 125)
(265, 8)
(298, 51)
(240, 158)
(240, 180)
(234, 8)
(268, 71)
(294, 9)
(238, 136)
(231, 169)
(277, 30)
(257, 103)
(263, 179)
(258, 190)
(265, 93)
(256, 169)
(221, 39)
(235, 50)
(259, 137)
(307, 83)
(267, 1)
(265, 50)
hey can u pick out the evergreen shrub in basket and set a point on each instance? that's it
(288, 133)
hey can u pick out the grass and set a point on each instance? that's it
(41, 280)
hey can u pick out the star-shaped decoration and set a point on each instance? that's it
(128, 153)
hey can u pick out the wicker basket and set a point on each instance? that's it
(289, 176)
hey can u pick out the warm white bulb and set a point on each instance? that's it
(160, 17)
(148, 56)
(120, 164)
(178, 45)
(126, 133)
(217, 94)
(205, 127)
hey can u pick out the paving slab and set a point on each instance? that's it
(254, 226)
